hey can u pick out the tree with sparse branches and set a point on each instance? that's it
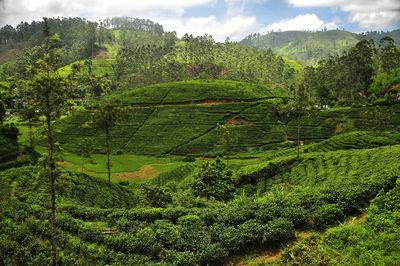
(47, 94)
(105, 117)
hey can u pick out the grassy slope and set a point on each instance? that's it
(166, 119)
(346, 178)
(99, 67)
(350, 175)
(309, 47)
(181, 118)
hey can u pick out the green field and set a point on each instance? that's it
(181, 118)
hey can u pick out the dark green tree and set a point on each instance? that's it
(85, 150)
(213, 181)
(27, 107)
(286, 112)
(389, 54)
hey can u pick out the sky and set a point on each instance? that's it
(220, 18)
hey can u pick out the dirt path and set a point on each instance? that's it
(13, 189)
(145, 172)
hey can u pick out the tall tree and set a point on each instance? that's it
(48, 96)
(105, 117)
(389, 54)
(285, 113)
(85, 150)
(26, 106)
(360, 61)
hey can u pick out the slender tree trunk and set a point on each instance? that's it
(298, 139)
(30, 133)
(52, 167)
(108, 156)
(285, 132)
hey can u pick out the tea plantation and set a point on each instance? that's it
(181, 118)
(270, 196)
(99, 224)
(122, 143)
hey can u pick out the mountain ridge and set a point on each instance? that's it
(309, 47)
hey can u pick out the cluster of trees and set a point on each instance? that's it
(77, 35)
(41, 91)
(201, 58)
(133, 24)
(349, 78)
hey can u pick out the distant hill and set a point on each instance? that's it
(309, 47)
(81, 38)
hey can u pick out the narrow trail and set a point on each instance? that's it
(13, 189)
(272, 255)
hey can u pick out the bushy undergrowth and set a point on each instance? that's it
(97, 224)
(370, 240)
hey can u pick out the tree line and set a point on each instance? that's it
(171, 59)
(361, 74)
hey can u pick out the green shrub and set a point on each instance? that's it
(327, 215)
(188, 158)
(297, 215)
(277, 232)
(213, 181)
(10, 131)
(167, 233)
(230, 238)
(157, 196)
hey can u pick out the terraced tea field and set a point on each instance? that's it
(181, 118)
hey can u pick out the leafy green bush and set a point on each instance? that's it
(327, 215)
(213, 181)
(157, 196)
(277, 232)
(10, 131)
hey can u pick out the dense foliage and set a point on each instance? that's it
(193, 231)
(361, 74)
(295, 159)
(200, 58)
(309, 47)
(364, 240)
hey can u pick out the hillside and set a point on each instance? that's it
(181, 118)
(309, 47)
(316, 191)
(122, 144)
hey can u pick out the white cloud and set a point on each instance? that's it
(235, 28)
(14, 11)
(169, 13)
(237, 7)
(369, 14)
(301, 22)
